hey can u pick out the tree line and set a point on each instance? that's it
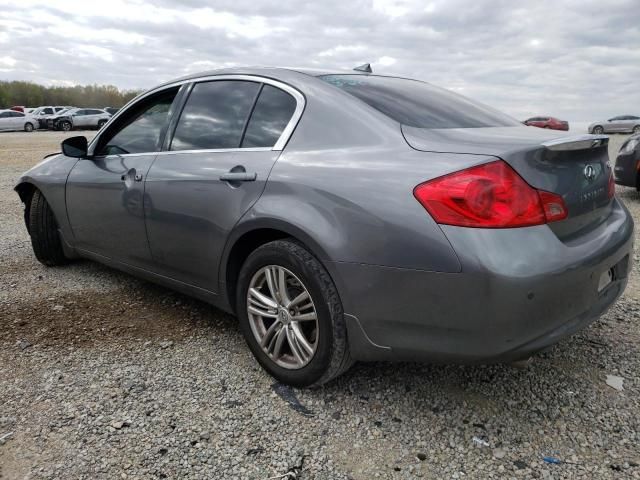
(30, 94)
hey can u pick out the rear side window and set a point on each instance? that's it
(215, 115)
(418, 104)
(270, 117)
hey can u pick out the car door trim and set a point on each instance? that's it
(278, 146)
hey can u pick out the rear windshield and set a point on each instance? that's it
(418, 104)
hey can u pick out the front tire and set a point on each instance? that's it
(43, 228)
(291, 315)
(598, 130)
(101, 124)
(65, 126)
(28, 127)
(636, 129)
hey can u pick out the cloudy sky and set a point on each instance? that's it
(576, 59)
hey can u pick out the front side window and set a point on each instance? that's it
(270, 116)
(215, 115)
(48, 111)
(418, 104)
(140, 129)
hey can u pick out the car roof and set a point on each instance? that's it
(276, 73)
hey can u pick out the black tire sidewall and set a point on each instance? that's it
(271, 254)
(65, 124)
(28, 127)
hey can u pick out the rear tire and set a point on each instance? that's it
(43, 228)
(598, 130)
(636, 129)
(28, 127)
(327, 336)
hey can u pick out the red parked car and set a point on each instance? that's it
(17, 108)
(547, 122)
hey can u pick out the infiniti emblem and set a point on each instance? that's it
(589, 172)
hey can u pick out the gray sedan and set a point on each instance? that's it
(343, 217)
(620, 124)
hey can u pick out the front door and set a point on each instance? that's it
(6, 121)
(214, 170)
(80, 118)
(105, 193)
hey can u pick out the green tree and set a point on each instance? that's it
(33, 95)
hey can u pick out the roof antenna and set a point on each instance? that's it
(366, 68)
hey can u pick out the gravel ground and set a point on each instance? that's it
(106, 376)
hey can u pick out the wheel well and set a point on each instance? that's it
(239, 253)
(25, 192)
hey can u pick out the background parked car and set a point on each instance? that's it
(41, 114)
(627, 163)
(78, 118)
(111, 110)
(547, 122)
(12, 120)
(17, 108)
(620, 124)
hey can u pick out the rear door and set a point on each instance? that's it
(230, 132)
(105, 193)
(18, 120)
(92, 117)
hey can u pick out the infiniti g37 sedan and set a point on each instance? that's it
(343, 217)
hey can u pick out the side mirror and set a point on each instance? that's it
(75, 147)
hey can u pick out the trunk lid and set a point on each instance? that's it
(574, 166)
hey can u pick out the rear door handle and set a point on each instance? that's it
(238, 177)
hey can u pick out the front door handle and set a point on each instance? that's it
(238, 177)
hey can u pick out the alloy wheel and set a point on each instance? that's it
(282, 317)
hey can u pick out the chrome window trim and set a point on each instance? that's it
(217, 150)
(278, 146)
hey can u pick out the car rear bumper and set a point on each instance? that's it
(520, 291)
(626, 169)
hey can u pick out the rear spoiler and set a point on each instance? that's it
(577, 142)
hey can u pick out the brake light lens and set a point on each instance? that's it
(492, 195)
(611, 190)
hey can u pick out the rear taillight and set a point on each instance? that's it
(492, 195)
(611, 190)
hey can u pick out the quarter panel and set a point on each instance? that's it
(358, 204)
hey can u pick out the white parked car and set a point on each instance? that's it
(78, 118)
(12, 120)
